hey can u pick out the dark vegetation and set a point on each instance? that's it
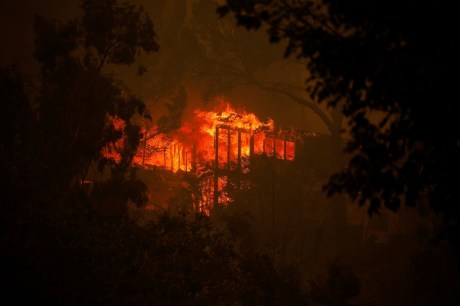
(65, 240)
(73, 228)
(381, 57)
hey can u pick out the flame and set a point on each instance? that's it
(233, 135)
(227, 131)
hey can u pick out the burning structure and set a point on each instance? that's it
(214, 145)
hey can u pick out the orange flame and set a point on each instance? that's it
(233, 135)
(227, 131)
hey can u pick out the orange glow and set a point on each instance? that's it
(259, 142)
(193, 146)
(112, 151)
(235, 136)
(290, 150)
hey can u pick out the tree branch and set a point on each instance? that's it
(303, 101)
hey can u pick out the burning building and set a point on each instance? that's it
(213, 145)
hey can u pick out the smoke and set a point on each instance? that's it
(187, 49)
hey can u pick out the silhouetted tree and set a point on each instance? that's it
(390, 69)
(18, 129)
(52, 135)
(340, 285)
(235, 58)
(78, 101)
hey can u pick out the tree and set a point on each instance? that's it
(77, 96)
(53, 132)
(236, 58)
(387, 66)
(17, 126)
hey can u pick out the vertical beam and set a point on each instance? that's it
(164, 157)
(183, 157)
(228, 154)
(228, 149)
(179, 151)
(216, 167)
(239, 151)
(239, 171)
(216, 149)
(251, 146)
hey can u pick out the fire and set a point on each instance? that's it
(212, 145)
(230, 135)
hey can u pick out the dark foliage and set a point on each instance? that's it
(340, 285)
(17, 123)
(76, 99)
(388, 65)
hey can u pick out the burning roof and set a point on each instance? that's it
(212, 145)
(222, 139)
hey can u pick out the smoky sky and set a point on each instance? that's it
(16, 34)
(17, 24)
